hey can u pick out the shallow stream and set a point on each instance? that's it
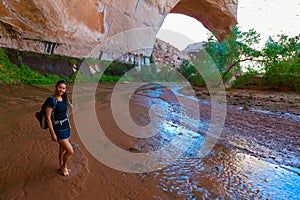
(229, 170)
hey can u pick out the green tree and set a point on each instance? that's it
(281, 62)
(235, 49)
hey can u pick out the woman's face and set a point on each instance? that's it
(61, 89)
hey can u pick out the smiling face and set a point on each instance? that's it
(60, 89)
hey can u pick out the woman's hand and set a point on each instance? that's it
(53, 137)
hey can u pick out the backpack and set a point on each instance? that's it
(41, 115)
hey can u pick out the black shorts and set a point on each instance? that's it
(62, 131)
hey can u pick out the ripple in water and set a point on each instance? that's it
(223, 174)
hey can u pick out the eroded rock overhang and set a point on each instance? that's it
(74, 28)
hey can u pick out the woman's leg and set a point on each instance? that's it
(61, 155)
(68, 151)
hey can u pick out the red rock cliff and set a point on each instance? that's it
(75, 27)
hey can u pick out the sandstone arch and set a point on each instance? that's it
(216, 17)
(75, 27)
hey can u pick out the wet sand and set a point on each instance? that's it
(29, 159)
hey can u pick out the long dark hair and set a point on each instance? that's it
(64, 96)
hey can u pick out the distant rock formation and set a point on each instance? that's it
(74, 28)
(166, 54)
(192, 49)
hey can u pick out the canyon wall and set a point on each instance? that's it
(74, 28)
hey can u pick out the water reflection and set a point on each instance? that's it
(228, 174)
(225, 173)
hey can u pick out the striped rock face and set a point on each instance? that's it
(73, 28)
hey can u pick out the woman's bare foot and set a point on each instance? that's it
(66, 172)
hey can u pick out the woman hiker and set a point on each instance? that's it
(58, 124)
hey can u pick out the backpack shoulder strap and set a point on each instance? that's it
(55, 103)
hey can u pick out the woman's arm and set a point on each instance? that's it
(70, 108)
(49, 123)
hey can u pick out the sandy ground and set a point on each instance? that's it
(28, 167)
(29, 159)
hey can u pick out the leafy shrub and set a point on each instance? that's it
(282, 64)
(72, 62)
(247, 80)
(117, 68)
(10, 73)
(106, 78)
(190, 73)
